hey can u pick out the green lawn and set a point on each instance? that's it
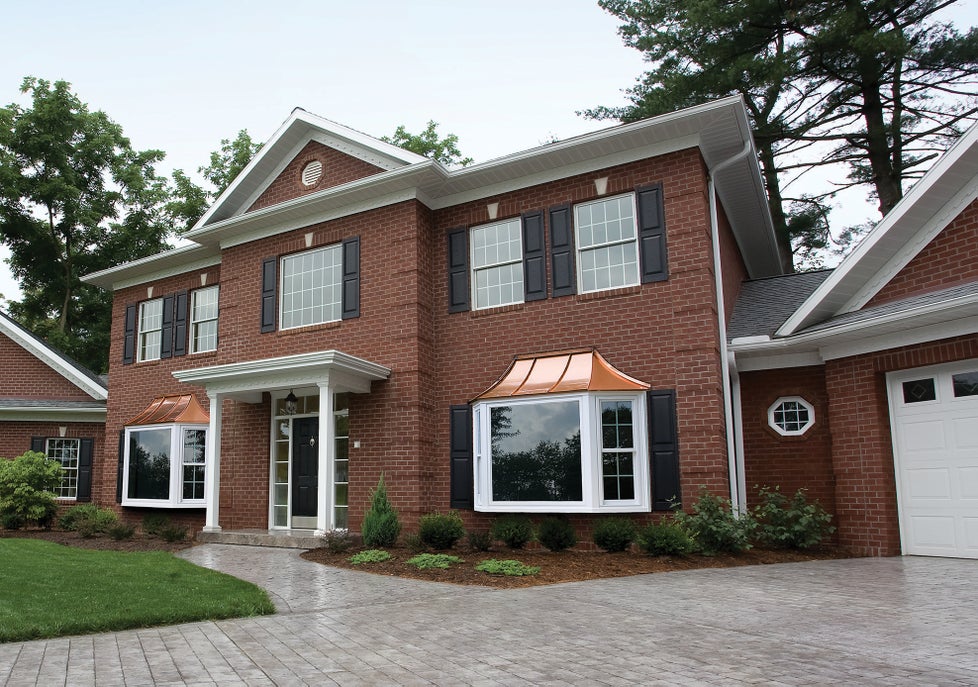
(49, 590)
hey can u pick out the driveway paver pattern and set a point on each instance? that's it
(892, 621)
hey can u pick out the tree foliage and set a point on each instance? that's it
(427, 143)
(75, 198)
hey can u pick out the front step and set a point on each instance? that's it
(295, 539)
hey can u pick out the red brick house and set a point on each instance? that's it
(51, 404)
(541, 333)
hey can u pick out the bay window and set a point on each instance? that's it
(164, 466)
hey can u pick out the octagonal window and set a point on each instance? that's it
(791, 416)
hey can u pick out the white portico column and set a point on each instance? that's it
(324, 516)
(212, 472)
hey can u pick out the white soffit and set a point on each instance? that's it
(158, 266)
(924, 211)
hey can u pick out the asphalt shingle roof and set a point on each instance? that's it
(764, 304)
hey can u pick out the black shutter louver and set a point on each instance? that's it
(458, 270)
(462, 490)
(85, 450)
(269, 284)
(119, 470)
(129, 338)
(652, 235)
(534, 258)
(664, 449)
(180, 311)
(562, 252)
(166, 329)
(38, 444)
(351, 278)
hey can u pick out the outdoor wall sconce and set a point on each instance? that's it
(291, 403)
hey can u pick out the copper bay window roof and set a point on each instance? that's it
(169, 409)
(554, 373)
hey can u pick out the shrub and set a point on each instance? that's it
(336, 541)
(714, 526)
(513, 530)
(423, 561)
(153, 523)
(412, 541)
(665, 539)
(173, 533)
(27, 485)
(381, 526)
(790, 523)
(510, 568)
(11, 521)
(370, 556)
(88, 519)
(441, 531)
(121, 531)
(480, 541)
(556, 533)
(614, 534)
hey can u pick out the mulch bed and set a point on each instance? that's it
(138, 542)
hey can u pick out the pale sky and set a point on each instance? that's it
(503, 75)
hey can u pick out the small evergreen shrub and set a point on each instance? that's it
(665, 539)
(509, 568)
(480, 541)
(336, 541)
(556, 533)
(153, 523)
(790, 523)
(412, 541)
(614, 534)
(121, 531)
(381, 526)
(714, 526)
(423, 561)
(513, 530)
(439, 531)
(27, 485)
(11, 521)
(369, 556)
(88, 519)
(173, 533)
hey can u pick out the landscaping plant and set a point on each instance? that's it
(153, 523)
(336, 541)
(441, 531)
(121, 531)
(424, 561)
(614, 534)
(381, 526)
(510, 568)
(790, 523)
(667, 538)
(715, 527)
(370, 556)
(555, 533)
(27, 485)
(513, 530)
(88, 519)
(480, 541)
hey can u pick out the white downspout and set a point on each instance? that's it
(736, 477)
(738, 418)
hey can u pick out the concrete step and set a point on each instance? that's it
(294, 539)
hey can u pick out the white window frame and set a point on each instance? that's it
(589, 406)
(335, 306)
(580, 251)
(489, 267)
(177, 462)
(772, 422)
(146, 332)
(69, 480)
(195, 323)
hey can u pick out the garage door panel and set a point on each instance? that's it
(968, 481)
(933, 531)
(971, 534)
(932, 483)
(965, 433)
(924, 436)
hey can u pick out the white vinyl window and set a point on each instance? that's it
(66, 452)
(150, 329)
(312, 287)
(497, 264)
(607, 243)
(566, 453)
(791, 416)
(164, 466)
(203, 319)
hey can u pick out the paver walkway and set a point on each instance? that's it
(910, 621)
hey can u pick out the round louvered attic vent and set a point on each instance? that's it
(312, 173)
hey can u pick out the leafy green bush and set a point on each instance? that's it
(510, 568)
(556, 533)
(88, 519)
(336, 541)
(173, 533)
(614, 534)
(121, 531)
(153, 523)
(381, 526)
(369, 556)
(11, 521)
(424, 561)
(790, 523)
(441, 531)
(665, 539)
(27, 485)
(480, 541)
(513, 530)
(715, 527)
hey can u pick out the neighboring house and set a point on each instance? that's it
(544, 333)
(51, 404)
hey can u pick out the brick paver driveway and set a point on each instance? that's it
(894, 621)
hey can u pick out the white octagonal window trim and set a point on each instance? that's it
(791, 416)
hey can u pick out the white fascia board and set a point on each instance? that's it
(19, 414)
(166, 264)
(904, 337)
(55, 360)
(778, 361)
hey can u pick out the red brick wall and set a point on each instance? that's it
(27, 377)
(951, 258)
(338, 168)
(791, 463)
(862, 449)
(731, 261)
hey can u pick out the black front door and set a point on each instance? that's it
(305, 466)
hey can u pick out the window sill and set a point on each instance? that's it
(151, 503)
(483, 312)
(293, 331)
(557, 508)
(609, 293)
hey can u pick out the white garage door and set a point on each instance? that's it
(934, 415)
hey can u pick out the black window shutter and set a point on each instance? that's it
(84, 492)
(38, 444)
(269, 287)
(664, 449)
(122, 459)
(652, 234)
(534, 259)
(166, 330)
(129, 340)
(351, 278)
(562, 251)
(458, 270)
(180, 323)
(462, 491)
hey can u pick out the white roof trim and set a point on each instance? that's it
(56, 361)
(20, 414)
(892, 243)
(159, 266)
